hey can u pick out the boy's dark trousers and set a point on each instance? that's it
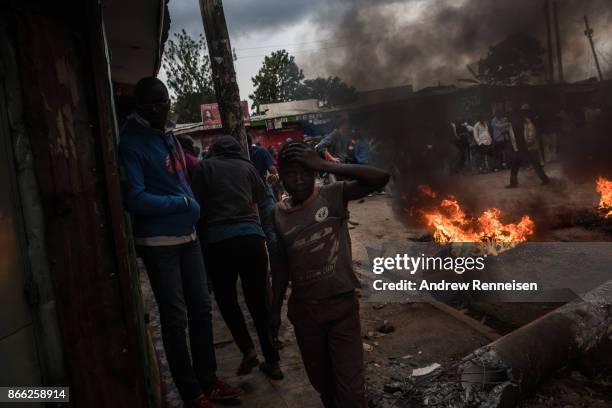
(329, 336)
(243, 256)
(178, 280)
(532, 157)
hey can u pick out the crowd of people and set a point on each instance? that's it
(500, 143)
(218, 219)
(261, 216)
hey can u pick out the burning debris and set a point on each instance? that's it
(604, 187)
(450, 224)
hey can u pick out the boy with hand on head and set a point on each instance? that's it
(314, 249)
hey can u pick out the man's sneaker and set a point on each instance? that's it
(249, 361)
(200, 402)
(221, 391)
(272, 370)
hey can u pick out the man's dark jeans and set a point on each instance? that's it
(178, 279)
(328, 334)
(243, 256)
(531, 157)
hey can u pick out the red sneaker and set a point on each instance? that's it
(220, 391)
(201, 402)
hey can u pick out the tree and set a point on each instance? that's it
(187, 66)
(514, 61)
(331, 91)
(277, 81)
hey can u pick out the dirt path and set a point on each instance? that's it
(423, 335)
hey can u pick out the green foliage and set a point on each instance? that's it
(331, 91)
(277, 81)
(281, 80)
(514, 61)
(187, 66)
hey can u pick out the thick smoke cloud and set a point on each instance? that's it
(380, 48)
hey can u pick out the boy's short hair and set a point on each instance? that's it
(283, 160)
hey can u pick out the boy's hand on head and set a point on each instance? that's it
(272, 179)
(305, 156)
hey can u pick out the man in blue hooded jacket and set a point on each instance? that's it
(164, 213)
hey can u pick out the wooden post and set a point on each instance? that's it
(222, 64)
(551, 68)
(558, 38)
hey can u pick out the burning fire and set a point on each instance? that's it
(451, 224)
(604, 187)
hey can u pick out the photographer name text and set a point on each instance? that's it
(474, 285)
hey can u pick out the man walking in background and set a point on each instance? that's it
(335, 146)
(164, 212)
(362, 150)
(524, 138)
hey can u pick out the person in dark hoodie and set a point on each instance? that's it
(229, 188)
(164, 213)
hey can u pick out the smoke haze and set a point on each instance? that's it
(424, 42)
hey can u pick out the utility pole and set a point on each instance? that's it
(558, 38)
(589, 33)
(551, 68)
(222, 66)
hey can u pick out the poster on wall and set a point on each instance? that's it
(211, 116)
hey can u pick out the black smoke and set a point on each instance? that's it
(428, 43)
(385, 43)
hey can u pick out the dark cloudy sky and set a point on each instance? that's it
(376, 43)
(258, 27)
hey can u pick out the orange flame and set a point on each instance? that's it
(450, 224)
(604, 187)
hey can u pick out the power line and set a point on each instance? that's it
(294, 52)
(604, 53)
(606, 58)
(283, 45)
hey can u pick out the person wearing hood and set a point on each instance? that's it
(164, 212)
(229, 188)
